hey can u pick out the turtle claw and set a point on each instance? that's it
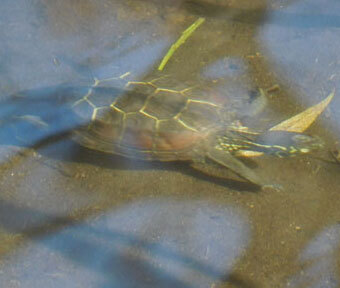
(272, 188)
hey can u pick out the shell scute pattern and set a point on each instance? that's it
(200, 115)
(134, 96)
(162, 106)
(173, 137)
(138, 132)
(145, 120)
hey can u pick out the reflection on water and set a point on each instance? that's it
(146, 244)
(177, 241)
(319, 261)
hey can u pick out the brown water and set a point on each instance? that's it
(71, 217)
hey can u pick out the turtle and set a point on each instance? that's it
(150, 121)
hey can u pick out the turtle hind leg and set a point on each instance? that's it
(230, 162)
(214, 173)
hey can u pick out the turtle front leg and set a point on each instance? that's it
(227, 160)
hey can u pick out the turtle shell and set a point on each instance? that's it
(159, 119)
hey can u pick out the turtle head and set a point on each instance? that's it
(277, 143)
(287, 144)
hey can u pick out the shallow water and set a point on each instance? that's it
(73, 217)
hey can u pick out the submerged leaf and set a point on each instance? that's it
(302, 121)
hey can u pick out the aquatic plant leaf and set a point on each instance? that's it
(302, 121)
(185, 35)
